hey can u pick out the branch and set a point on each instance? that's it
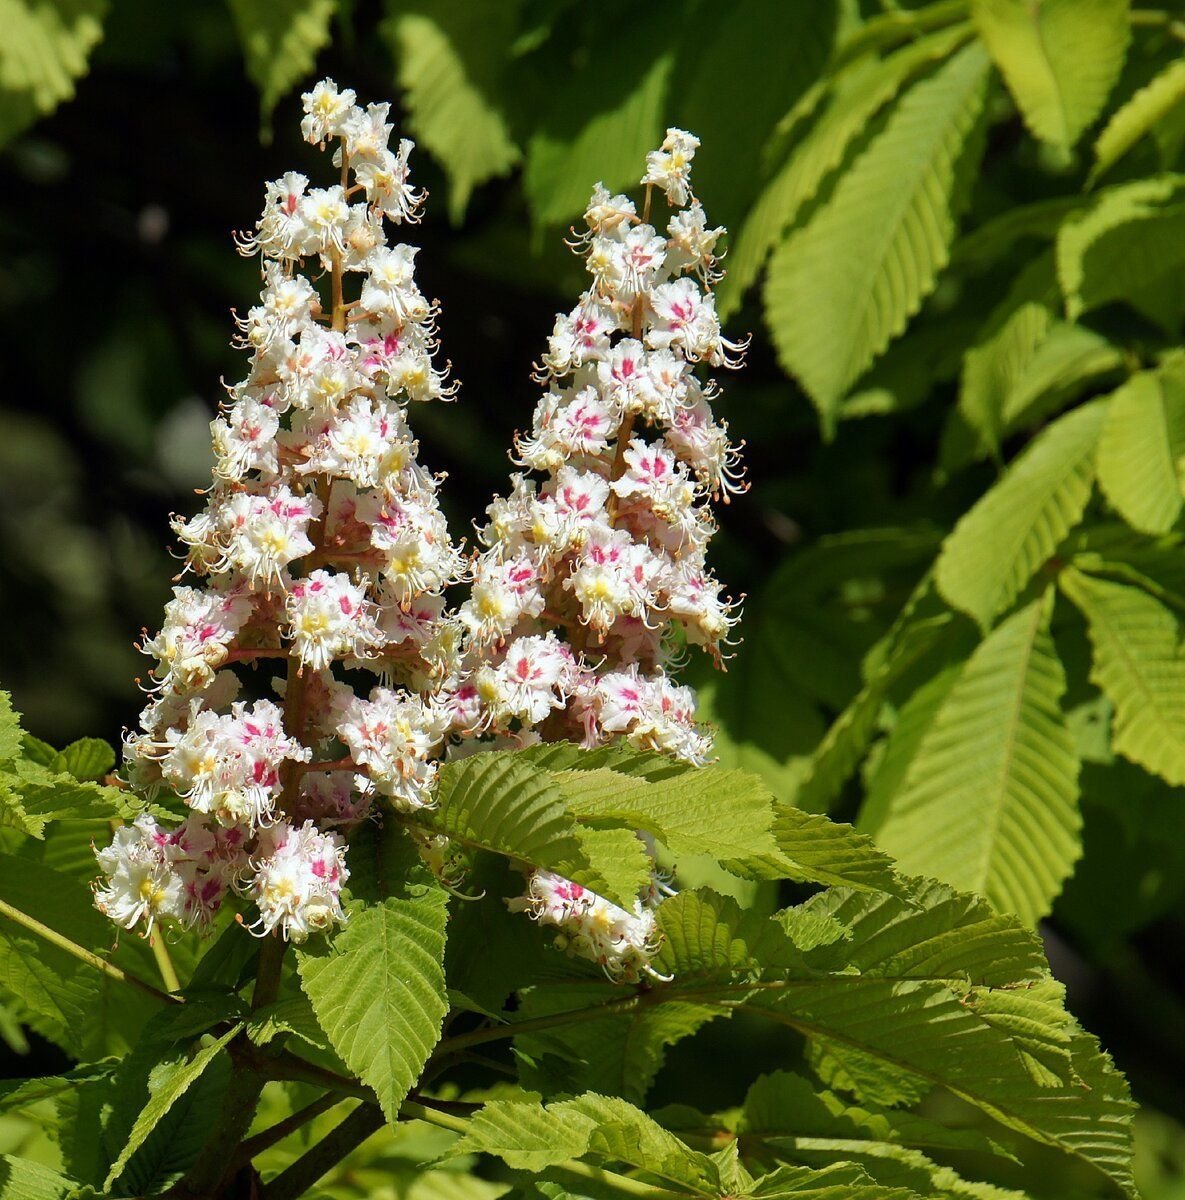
(295, 1180)
(83, 955)
(282, 1129)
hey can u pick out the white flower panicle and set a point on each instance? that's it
(594, 578)
(321, 547)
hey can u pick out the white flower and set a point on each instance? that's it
(330, 617)
(298, 877)
(670, 166)
(396, 738)
(326, 111)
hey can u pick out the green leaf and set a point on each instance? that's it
(87, 759)
(1014, 529)
(1031, 356)
(816, 849)
(590, 132)
(726, 814)
(57, 991)
(451, 56)
(615, 1055)
(1140, 450)
(989, 800)
(10, 729)
(530, 1136)
(856, 97)
(1060, 58)
(844, 285)
(21, 1179)
(1138, 663)
(621, 867)
(1150, 105)
(501, 802)
(838, 1181)
(169, 1080)
(378, 990)
(281, 43)
(1127, 242)
(43, 52)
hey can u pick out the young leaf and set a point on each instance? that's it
(280, 43)
(1138, 663)
(1060, 58)
(1150, 105)
(999, 545)
(87, 759)
(1141, 446)
(844, 285)
(450, 57)
(22, 1179)
(989, 801)
(378, 990)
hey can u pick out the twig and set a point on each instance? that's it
(87, 956)
(326, 1154)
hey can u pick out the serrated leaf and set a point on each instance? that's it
(621, 868)
(844, 285)
(989, 801)
(500, 802)
(451, 54)
(856, 97)
(590, 133)
(619, 1054)
(168, 1081)
(1138, 116)
(1126, 242)
(10, 729)
(1140, 449)
(87, 759)
(530, 1136)
(1031, 356)
(378, 990)
(997, 547)
(43, 52)
(1138, 663)
(21, 1179)
(1060, 58)
(710, 811)
(280, 43)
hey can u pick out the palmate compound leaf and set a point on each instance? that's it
(940, 989)
(856, 97)
(997, 547)
(1141, 448)
(840, 288)
(988, 802)
(1138, 116)
(378, 990)
(1138, 663)
(1060, 58)
(281, 43)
